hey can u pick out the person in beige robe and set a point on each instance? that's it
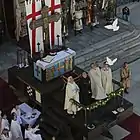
(125, 75)
(107, 78)
(72, 92)
(96, 82)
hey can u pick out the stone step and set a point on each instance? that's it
(132, 48)
(105, 51)
(105, 42)
(129, 56)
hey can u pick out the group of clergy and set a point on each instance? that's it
(15, 130)
(97, 82)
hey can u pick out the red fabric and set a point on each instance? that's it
(7, 96)
(52, 9)
(33, 16)
(132, 124)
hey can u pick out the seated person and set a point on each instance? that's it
(4, 123)
(30, 133)
(6, 135)
(84, 89)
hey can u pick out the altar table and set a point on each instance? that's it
(54, 66)
(29, 115)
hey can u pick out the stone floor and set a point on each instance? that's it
(88, 38)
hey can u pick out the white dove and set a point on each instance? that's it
(114, 26)
(110, 62)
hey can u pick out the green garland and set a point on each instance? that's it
(103, 102)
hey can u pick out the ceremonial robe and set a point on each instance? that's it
(30, 134)
(72, 92)
(96, 84)
(125, 77)
(84, 90)
(89, 12)
(78, 20)
(107, 80)
(16, 131)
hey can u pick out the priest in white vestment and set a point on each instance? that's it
(72, 92)
(30, 133)
(17, 111)
(15, 128)
(107, 78)
(96, 82)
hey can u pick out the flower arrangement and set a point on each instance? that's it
(104, 102)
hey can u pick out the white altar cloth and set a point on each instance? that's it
(27, 117)
(62, 55)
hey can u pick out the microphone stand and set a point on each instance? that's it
(90, 125)
(121, 103)
(58, 45)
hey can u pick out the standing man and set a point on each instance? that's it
(0, 122)
(96, 83)
(125, 75)
(126, 13)
(16, 128)
(84, 86)
(107, 78)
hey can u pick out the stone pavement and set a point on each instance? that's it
(134, 95)
(134, 12)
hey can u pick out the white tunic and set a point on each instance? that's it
(107, 80)
(72, 92)
(16, 131)
(96, 84)
(78, 20)
(30, 134)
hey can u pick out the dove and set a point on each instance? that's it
(114, 26)
(110, 62)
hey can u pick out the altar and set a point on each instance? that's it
(51, 67)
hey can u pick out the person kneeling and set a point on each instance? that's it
(30, 133)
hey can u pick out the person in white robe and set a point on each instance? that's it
(72, 92)
(78, 25)
(96, 83)
(6, 135)
(15, 128)
(107, 78)
(4, 123)
(30, 133)
(17, 111)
